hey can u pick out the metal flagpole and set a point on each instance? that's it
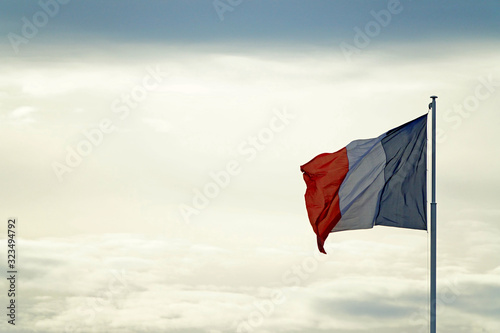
(433, 221)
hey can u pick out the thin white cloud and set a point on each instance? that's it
(22, 112)
(159, 125)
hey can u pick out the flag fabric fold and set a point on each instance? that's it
(379, 181)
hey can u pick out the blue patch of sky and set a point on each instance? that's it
(292, 21)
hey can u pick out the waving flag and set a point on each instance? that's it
(380, 181)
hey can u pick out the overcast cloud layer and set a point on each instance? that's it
(152, 155)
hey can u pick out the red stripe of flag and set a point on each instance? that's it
(323, 176)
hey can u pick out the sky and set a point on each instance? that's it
(152, 154)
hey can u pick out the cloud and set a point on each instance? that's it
(134, 283)
(254, 238)
(159, 125)
(22, 111)
(21, 115)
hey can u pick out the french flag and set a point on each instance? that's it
(380, 181)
